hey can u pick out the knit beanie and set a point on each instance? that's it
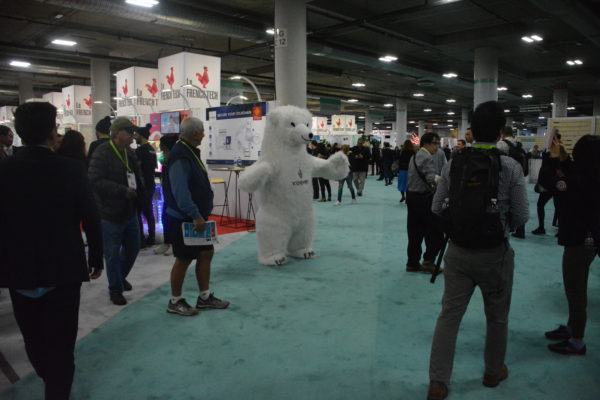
(144, 131)
(103, 126)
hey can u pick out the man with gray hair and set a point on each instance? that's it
(189, 198)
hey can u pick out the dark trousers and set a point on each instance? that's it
(387, 173)
(49, 328)
(164, 219)
(324, 183)
(315, 183)
(576, 267)
(541, 203)
(421, 224)
(148, 214)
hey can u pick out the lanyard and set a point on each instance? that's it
(194, 154)
(125, 161)
(483, 146)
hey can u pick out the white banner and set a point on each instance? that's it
(137, 91)
(201, 74)
(77, 104)
(319, 126)
(343, 125)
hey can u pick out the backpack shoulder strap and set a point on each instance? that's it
(421, 175)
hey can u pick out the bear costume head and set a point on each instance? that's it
(288, 127)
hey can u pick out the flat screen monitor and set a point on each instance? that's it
(169, 122)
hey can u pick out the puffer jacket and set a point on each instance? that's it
(108, 177)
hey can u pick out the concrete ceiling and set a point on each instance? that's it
(429, 37)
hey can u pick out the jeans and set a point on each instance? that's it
(121, 243)
(492, 270)
(49, 328)
(359, 180)
(348, 181)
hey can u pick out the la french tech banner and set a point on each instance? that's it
(137, 91)
(184, 68)
(77, 104)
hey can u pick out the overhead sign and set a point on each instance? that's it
(535, 108)
(319, 126)
(77, 104)
(137, 91)
(343, 125)
(201, 76)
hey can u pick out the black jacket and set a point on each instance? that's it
(387, 156)
(576, 202)
(94, 145)
(44, 199)
(108, 177)
(405, 157)
(147, 157)
(359, 164)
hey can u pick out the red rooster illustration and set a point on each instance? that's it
(203, 79)
(88, 101)
(68, 100)
(350, 123)
(338, 123)
(322, 124)
(153, 89)
(171, 78)
(125, 89)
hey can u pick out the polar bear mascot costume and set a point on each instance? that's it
(282, 178)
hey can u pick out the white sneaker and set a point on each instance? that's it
(161, 249)
(337, 203)
(169, 251)
(354, 201)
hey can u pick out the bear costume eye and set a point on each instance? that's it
(307, 125)
(293, 124)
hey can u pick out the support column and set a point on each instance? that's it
(485, 76)
(25, 88)
(464, 123)
(290, 53)
(596, 111)
(368, 123)
(100, 73)
(560, 99)
(401, 120)
(421, 127)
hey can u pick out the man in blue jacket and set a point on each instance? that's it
(189, 198)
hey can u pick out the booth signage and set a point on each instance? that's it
(6, 114)
(343, 125)
(77, 104)
(137, 91)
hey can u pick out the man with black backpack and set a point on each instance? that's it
(481, 196)
(516, 152)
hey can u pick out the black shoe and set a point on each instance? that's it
(518, 235)
(567, 348)
(402, 200)
(118, 299)
(211, 302)
(560, 333)
(539, 231)
(127, 286)
(359, 194)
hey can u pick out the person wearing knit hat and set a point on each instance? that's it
(146, 153)
(102, 135)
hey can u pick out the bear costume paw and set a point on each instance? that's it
(303, 253)
(276, 260)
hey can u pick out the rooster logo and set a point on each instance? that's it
(125, 88)
(338, 123)
(88, 101)
(203, 78)
(350, 123)
(68, 100)
(322, 124)
(171, 79)
(153, 89)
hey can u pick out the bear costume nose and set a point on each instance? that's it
(310, 135)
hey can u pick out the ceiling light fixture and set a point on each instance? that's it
(449, 120)
(352, 100)
(358, 84)
(527, 96)
(388, 105)
(507, 110)
(411, 122)
(450, 101)
(270, 31)
(527, 39)
(450, 75)
(142, 3)
(570, 62)
(22, 64)
(388, 58)
(63, 42)
(361, 117)
(570, 108)
(502, 89)
(578, 62)
(427, 109)
(532, 38)
(450, 112)
(450, 126)
(537, 38)
(115, 74)
(418, 94)
(435, 124)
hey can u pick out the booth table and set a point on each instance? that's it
(237, 221)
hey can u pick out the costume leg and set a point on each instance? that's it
(272, 237)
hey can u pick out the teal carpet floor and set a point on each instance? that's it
(350, 324)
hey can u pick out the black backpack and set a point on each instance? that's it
(471, 216)
(519, 155)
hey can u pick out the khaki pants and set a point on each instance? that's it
(490, 269)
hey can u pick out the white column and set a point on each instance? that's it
(464, 122)
(25, 88)
(596, 111)
(559, 109)
(421, 127)
(368, 123)
(100, 73)
(485, 76)
(401, 120)
(290, 57)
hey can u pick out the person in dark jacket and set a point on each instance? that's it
(376, 160)
(115, 176)
(44, 199)
(387, 159)
(189, 198)
(405, 156)
(544, 198)
(576, 185)
(359, 165)
(323, 153)
(102, 135)
(148, 163)
(73, 146)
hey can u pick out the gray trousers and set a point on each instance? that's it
(490, 269)
(359, 180)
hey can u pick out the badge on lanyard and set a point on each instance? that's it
(131, 180)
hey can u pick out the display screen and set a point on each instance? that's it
(169, 122)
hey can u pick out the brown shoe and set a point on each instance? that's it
(437, 390)
(494, 380)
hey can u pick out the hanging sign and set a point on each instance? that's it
(343, 125)
(77, 104)
(319, 126)
(137, 91)
(280, 37)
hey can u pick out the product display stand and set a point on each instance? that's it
(236, 221)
